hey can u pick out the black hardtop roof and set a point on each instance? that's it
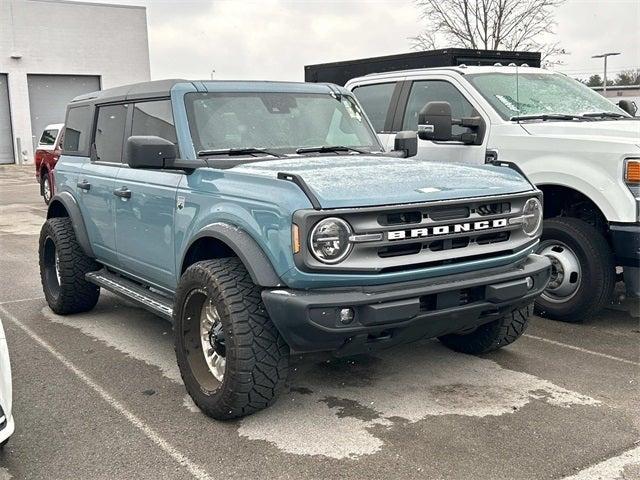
(155, 88)
(162, 89)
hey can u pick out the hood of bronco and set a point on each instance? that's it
(341, 181)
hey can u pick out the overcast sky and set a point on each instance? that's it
(274, 39)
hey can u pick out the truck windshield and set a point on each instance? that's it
(533, 94)
(278, 122)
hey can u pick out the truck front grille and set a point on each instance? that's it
(430, 234)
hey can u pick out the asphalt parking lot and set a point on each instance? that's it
(98, 395)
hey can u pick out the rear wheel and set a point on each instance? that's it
(231, 356)
(46, 187)
(582, 270)
(491, 336)
(63, 266)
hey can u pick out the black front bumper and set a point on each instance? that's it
(625, 238)
(309, 320)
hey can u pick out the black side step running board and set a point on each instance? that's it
(152, 301)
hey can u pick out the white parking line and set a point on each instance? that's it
(583, 350)
(197, 471)
(8, 302)
(610, 468)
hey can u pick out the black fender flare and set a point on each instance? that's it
(70, 204)
(245, 247)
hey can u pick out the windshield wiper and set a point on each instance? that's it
(329, 148)
(231, 152)
(549, 116)
(604, 115)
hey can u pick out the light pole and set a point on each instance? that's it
(605, 55)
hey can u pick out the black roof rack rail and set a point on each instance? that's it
(341, 72)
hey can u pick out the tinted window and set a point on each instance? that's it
(110, 133)
(77, 128)
(423, 92)
(154, 118)
(375, 100)
(48, 137)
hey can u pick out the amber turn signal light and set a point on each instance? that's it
(632, 171)
(295, 238)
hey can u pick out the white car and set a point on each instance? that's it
(580, 149)
(6, 419)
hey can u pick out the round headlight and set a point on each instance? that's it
(329, 240)
(532, 216)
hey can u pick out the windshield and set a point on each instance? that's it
(280, 122)
(538, 94)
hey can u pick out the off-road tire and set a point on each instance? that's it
(257, 357)
(491, 336)
(72, 294)
(597, 265)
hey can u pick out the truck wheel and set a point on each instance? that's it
(491, 336)
(582, 270)
(232, 358)
(46, 187)
(63, 266)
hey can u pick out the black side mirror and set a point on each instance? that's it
(406, 143)
(628, 106)
(434, 122)
(147, 151)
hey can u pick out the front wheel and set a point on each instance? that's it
(491, 336)
(232, 358)
(63, 266)
(582, 270)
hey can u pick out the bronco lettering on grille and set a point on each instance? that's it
(446, 229)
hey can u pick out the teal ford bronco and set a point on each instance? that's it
(265, 218)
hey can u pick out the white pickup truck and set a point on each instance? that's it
(580, 149)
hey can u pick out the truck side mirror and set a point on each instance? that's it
(628, 106)
(406, 143)
(434, 122)
(148, 151)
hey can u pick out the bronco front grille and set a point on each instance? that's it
(418, 236)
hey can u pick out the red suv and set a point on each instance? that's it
(46, 156)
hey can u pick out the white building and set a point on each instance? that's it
(54, 50)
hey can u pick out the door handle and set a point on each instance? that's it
(123, 192)
(83, 185)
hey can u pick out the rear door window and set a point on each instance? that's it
(77, 131)
(109, 135)
(375, 99)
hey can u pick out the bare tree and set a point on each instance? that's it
(490, 25)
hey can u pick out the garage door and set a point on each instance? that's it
(6, 139)
(50, 94)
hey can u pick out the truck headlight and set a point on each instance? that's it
(532, 216)
(329, 240)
